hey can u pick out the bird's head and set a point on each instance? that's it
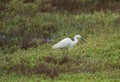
(79, 37)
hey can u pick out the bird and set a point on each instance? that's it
(67, 42)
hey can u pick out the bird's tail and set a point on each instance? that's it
(53, 47)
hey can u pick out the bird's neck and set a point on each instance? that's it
(75, 40)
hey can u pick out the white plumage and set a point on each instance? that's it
(67, 42)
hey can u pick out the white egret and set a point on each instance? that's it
(67, 42)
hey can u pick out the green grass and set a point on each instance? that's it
(96, 60)
(83, 77)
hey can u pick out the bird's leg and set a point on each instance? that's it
(63, 51)
(66, 51)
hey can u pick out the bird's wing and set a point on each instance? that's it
(62, 44)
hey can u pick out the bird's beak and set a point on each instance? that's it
(82, 39)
